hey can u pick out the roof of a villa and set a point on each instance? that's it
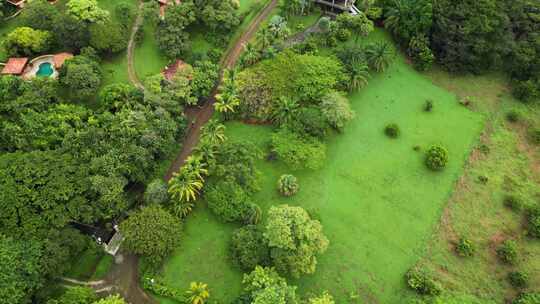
(15, 66)
(163, 5)
(172, 69)
(60, 58)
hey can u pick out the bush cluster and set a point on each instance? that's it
(518, 279)
(533, 221)
(527, 298)
(465, 247)
(249, 248)
(507, 252)
(422, 283)
(428, 105)
(392, 130)
(288, 185)
(513, 116)
(512, 202)
(436, 157)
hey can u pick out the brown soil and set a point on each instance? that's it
(133, 78)
(198, 117)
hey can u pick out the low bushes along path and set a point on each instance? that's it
(198, 117)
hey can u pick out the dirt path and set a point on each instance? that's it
(133, 78)
(199, 117)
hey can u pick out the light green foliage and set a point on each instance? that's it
(298, 151)
(152, 232)
(507, 252)
(197, 293)
(87, 10)
(325, 298)
(289, 75)
(111, 300)
(172, 37)
(228, 200)
(294, 240)
(108, 37)
(266, 287)
(76, 295)
(205, 75)
(527, 298)
(25, 41)
(288, 185)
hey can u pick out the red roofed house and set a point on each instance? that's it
(15, 66)
(170, 71)
(163, 5)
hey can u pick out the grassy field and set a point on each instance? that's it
(92, 264)
(377, 202)
(148, 59)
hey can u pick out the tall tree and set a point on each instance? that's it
(87, 11)
(265, 286)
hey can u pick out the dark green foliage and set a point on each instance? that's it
(420, 53)
(482, 39)
(173, 40)
(310, 121)
(76, 295)
(71, 33)
(392, 130)
(408, 18)
(507, 252)
(533, 221)
(108, 37)
(428, 105)
(379, 56)
(289, 75)
(513, 116)
(205, 75)
(422, 283)
(436, 157)
(228, 200)
(513, 202)
(82, 76)
(465, 247)
(220, 15)
(115, 96)
(518, 279)
(237, 159)
(249, 248)
(156, 192)
(288, 185)
(297, 151)
(534, 135)
(152, 232)
(40, 15)
(527, 298)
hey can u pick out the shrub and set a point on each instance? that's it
(512, 202)
(336, 109)
(288, 185)
(518, 279)
(227, 200)
(392, 130)
(465, 247)
(436, 157)
(527, 298)
(422, 283)
(513, 116)
(420, 53)
(249, 248)
(533, 221)
(310, 121)
(534, 135)
(298, 152)
(343, 34)
(428, 105)
(507, 252)
(156, 192)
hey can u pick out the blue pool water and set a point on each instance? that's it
(45, 69)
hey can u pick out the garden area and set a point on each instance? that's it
(270, 151)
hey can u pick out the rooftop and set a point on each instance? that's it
(15, 66)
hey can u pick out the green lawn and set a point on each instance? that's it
(378, 203)
(92, 264)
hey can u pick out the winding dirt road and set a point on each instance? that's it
(198, 117)
(132, 74)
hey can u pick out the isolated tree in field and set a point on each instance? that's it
(197, 293)
(294, 240)
(87, 10)
(151, 232)
(379, 55)
(25, 41)
(265, 286)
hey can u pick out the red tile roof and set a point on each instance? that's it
(15, 66)
(172, 69)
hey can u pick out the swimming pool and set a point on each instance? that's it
(45, 70)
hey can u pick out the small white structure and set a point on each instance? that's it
(114, 243)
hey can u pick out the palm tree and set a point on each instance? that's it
(214, 132)
(284, 111)
(197, 293)
(379, 56)
(264, 36)
(393, 17)
(359, 75)
(185, 185)
(250, 56)
(227, 100)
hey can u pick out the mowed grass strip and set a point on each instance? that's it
(376, 200)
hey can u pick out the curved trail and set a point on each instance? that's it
(124, 277)
(201, 116)
(132, 74)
